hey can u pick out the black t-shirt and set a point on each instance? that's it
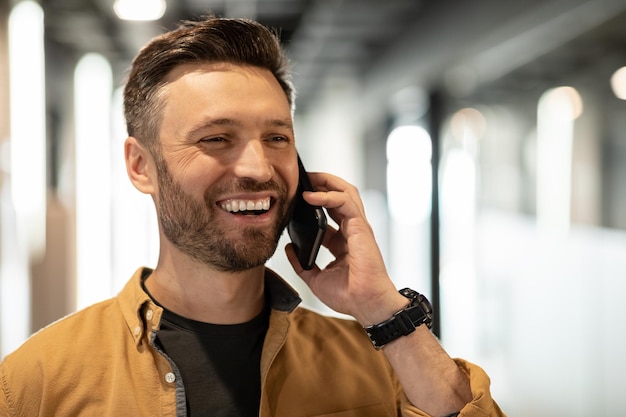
(219, 364)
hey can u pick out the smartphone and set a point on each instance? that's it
(308, 224)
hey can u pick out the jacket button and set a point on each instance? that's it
(170, 377)
(149, 315)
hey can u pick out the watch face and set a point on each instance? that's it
(420, 300)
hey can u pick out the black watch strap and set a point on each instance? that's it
(417, 312)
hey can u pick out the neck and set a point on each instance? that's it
(200, 293)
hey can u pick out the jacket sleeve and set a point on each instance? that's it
(4, 399)
(482, 404)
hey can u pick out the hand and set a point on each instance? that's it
(356, 282)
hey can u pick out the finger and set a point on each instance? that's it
(339, 204)
(327, 182)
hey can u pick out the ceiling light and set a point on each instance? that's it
(139, 9)
(618, 83)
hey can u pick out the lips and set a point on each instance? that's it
(241, 206)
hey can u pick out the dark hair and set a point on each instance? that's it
(211, 40)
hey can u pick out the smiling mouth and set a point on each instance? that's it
(249, 207)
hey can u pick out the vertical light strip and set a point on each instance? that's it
(459, 194)
(14, 281)
(556, 112)
(28, 130)
(92, 100)
(23, 201)
(409, 187)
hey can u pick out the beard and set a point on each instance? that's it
(191, 226)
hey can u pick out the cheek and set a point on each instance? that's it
(199, 182)
(197, 175)
(291, 178)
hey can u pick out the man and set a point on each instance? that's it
(210, 331)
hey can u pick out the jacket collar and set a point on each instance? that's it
(141, 313)
(281, 295)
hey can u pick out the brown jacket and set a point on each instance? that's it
(102, 361)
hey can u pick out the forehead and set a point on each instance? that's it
(201, 91)
(213, 77)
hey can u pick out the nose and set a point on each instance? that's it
(253, 162)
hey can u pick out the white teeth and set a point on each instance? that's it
(235, 206)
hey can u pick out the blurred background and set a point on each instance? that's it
(488, 139)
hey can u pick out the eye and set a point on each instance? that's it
(214, 139)
(278, 140)
(214, 143)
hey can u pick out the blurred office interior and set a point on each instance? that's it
(488, 139)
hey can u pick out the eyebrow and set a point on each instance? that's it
(208, 123)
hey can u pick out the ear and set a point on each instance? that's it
(140, 166)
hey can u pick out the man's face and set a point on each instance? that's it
(227, 167)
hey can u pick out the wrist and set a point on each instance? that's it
(382, 309)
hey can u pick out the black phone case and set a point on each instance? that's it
(308, 224)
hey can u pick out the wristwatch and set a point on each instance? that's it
(419, 311)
